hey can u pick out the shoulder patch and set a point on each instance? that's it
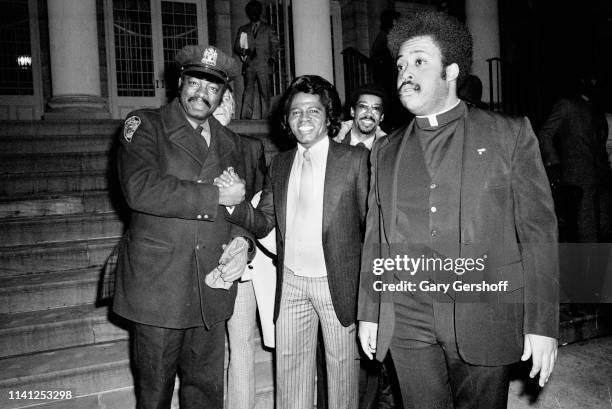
(130, 126)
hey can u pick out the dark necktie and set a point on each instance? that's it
(199, 131)
(254, 30)
(361, 144)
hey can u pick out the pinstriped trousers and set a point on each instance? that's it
(304, 302)
(241, 336)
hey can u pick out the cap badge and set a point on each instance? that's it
(209, 57)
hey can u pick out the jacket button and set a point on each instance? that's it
(199, 216)
(198, 247)
(433, 186)
(206, 216)
(434, 209)
(434, 233)
(200, 181)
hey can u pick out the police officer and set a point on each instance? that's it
(167, 161)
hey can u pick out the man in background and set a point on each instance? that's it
(367, 112)
(573, 142)
(256, 43)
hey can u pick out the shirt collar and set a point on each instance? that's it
(440, 118)
(318, 150)
(368, 142)
(194, 124)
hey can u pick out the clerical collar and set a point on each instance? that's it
(441, 118)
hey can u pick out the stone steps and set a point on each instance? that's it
(95, 201)
(69, 255)
(81, 370)
(86, 136)
(38, 331)
(94, 374)
(23, 163)
(53, 182)
(60, 208)
(45, 291)
(55, 137)
(45, 229)
(589, 321)
(124, 398)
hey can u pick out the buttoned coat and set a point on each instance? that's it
(505, 212)
(344, 209)
(177, 227)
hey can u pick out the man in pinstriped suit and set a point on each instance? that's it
(316, 194)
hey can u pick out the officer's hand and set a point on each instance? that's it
(233, 262)
(225, 179)
(368, 331)
(233, 194)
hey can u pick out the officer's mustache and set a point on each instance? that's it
(414, 86)
(191, 99)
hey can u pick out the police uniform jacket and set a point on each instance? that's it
(176, 226)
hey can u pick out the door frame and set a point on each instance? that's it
(27, 107)
(118, 109)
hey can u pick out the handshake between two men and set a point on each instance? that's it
(233, 261)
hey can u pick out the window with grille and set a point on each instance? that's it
(179, 28)
(15, 49)
(133, 48)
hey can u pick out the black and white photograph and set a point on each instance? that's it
(305, 204)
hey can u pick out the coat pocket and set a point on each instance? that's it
(148, 256)
(513, 274)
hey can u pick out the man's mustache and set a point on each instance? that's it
(370, 117)
(414, 86)
(191, 99)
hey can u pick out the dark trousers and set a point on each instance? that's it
(256, 87)
(196, 354)
(431, 379)
(433, 375)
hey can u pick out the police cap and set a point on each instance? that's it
(207, 62)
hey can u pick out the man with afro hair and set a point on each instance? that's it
(445, 285)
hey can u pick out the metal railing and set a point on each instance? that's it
(357, 70)
(506, 90)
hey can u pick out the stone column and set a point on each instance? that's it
(312, 38)
(483, 22)
(75, 67)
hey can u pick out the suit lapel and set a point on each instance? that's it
(387, 162)
(336, 171)
(181, 133)
(477, 158)
(225, 146)
(281, 187)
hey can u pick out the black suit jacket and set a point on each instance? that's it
(506, 212)
(261, 48)
(344, 209)
(575, 136)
